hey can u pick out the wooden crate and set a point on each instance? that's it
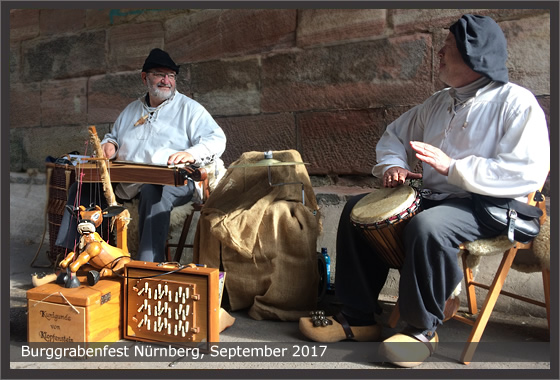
(171, 303)
(83, 314)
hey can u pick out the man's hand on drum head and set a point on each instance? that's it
(396, 176)
(432, 156)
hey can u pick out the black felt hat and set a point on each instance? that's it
(483, 46)
(159, 58)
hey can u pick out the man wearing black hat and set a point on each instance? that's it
(163, 127)
(481, 135)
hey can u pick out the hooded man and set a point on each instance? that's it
(162, 127)
(481, 135)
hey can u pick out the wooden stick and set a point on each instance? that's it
(94, 159)
(105, 179)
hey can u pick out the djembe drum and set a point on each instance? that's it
(381, 217)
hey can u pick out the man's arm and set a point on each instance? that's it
(520, 164)
(207, 138)
(395, 157)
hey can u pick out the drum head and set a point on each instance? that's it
(383, 203)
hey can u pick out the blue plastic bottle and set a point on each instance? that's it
(328, 262)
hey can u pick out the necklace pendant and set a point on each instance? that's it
(142, 120)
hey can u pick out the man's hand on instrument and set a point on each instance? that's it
(432, 156)
(180, 158)
(109, 149)
(396, 176)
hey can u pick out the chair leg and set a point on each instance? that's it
(546, 286)
(183, 238)
(395, 315)
(489, 303)
(470, 288)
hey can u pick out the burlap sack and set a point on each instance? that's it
(264, 237)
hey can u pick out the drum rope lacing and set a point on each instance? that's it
(395, 218)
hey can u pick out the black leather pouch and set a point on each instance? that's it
(518, 220)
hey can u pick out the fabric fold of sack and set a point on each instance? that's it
(264, 237)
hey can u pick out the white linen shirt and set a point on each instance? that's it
(179, 124)
(498, 143)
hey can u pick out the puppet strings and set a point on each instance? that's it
(95, 197)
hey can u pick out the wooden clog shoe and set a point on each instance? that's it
(408, 349)
(330, 330)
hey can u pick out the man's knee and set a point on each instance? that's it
(419, 224)
(150, 194)
(149, 191)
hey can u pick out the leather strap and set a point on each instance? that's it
(512, 217)
(345, 325)
(422, 338)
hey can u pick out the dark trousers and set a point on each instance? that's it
(154, 210)
(430, 272)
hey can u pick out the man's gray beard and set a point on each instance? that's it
(157, 93)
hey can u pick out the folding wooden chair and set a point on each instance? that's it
(495, 288)
(509, 251)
